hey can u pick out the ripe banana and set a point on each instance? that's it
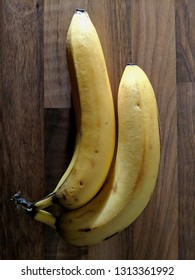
(95, 117)
(132, 179)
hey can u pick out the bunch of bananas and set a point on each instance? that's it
(111, 176)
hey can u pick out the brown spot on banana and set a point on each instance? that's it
(86, 229)
(81, 184)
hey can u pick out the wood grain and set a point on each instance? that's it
(185, 47)
(185, 32)
(186, 169)
(37, 128)
(153, 48)
(22, 158)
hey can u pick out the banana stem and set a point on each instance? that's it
(34, 209)
(32, 206)
(44, 202)
(22, 202)
(45, 218)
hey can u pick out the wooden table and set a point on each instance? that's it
(37, 120)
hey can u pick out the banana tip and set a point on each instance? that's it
(131, 64)
(80, 10)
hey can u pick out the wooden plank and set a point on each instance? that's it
(186, 169)
(153, 48)
(60, 133)
(114, 31)
(113, 27)
(185, 39)
(21, 125)
(59, 144)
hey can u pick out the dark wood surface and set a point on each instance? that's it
(37, 120)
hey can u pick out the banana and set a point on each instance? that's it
(132, 178)
(95, 118)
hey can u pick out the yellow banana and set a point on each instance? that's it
(95, 117)
(132, 179)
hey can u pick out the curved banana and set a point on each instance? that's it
(132, 179)
(95, 117)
